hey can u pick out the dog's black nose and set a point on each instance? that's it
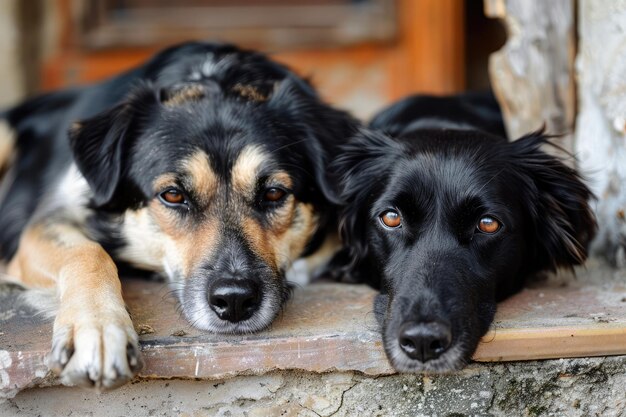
(424, 341)
(234, 300)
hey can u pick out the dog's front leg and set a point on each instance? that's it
(94, 343)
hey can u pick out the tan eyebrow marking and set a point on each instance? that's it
(204, 180)
(244, 174)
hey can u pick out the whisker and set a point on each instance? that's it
(290, 144)
(491, 179)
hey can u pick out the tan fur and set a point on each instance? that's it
(39, 271)
(161, 238)
(293, 241)
(304, 269)
(245, 170)
(183, 247)
(163, 181)
(281, 178)
(92, 328)
(250, 93)
(60, 248)
(204, 181)
(261, 241)
(197, 245)
(193, 92)
(316, 261)
(145, 242)
(7, 144)
(291, 228)
(158, 238)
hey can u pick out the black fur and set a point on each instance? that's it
(444, 165)
(124, 132)
(115, 113)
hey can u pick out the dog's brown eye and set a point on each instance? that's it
(391, 218)
(173, 197)
(273, 194)
(488, 225)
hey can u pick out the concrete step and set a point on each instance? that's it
(327, 327)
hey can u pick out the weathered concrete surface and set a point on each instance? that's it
(601, 123)
(330, 327)
(576, 387)
(324, 328)
(573, 387)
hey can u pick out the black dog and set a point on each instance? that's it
(447, 217)
(207, 164)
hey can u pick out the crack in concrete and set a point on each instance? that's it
(493, 396)
(342, 397)
(311, 410)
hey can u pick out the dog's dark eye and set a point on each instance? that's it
(391, 218)
(273, 194)
(173, 197)
(488, 225)
(271, 198)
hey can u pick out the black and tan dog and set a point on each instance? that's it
(447, 217)
(207, 164)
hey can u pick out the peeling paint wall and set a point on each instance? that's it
(601, 123)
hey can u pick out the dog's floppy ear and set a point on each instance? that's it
(563, 221)
(322, 129)
(361, 168)
(327, 128)
(100, 144)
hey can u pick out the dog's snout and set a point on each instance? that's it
(424, 341)
(234, 300)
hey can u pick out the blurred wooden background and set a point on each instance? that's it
(361, 54)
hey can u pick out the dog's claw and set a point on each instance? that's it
(101, 356)
(62, 349)
(134, 357)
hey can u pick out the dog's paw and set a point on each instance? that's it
(95, 354)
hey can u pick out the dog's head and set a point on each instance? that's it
(452, 221)
(220, 183)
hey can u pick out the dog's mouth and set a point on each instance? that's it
(253, 321)
(429, 333)
(431, 346)
(425, 347)
(232, 306)
(432, 359)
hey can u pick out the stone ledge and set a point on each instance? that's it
(326, 327)
(566, 387)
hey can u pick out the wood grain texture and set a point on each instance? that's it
(326, 327)
(601, 123)
(533, 74)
